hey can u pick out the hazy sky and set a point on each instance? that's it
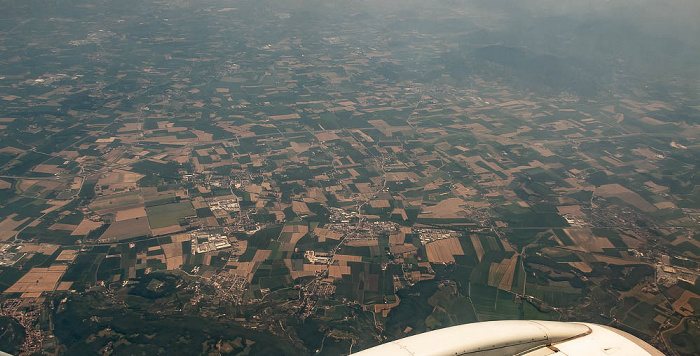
(670, 17)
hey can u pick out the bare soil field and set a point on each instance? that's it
(383, 126)
(86, 226)
(44, 249)
(585, 239)
(174, 262)
(338, 271)
(8, 225)
(477, 246)
(683, 305)
(244, 269)
(443, 251)
(380, 203)
(362, 242)
(285, 117)
(403, 249)
(261, 255)
(324, 234)
(132, 213)
(47, 168)
(5, 185)
(507, 281)
(67, 255)
(493, 277)
(630, 197)
(152, 193)
(665, 205)
(570, 209)
(295, 232)
(617, 260)
(26, 184)
(38, 280)
(397, 239)
(130, 126)
(400, 176)
(344, 259)
(316, 194)
(326, 136)
(65, 227)
(300, 208)
(166, 230)
(447, 209)
(296, 273)
(116, 202)
(365, 188)
(314, 268)
(651, 121)
(581, 266)
(120, 178)
(203, 136)
(64, 286)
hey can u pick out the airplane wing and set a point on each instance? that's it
(518, 337)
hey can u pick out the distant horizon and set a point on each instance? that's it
(322, 177)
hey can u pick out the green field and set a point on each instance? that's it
(493, 304)
(168, 214)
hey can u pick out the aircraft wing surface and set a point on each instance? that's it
(518, 337)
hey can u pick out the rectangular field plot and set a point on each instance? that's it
(126, 229)
(37, 281)
(169, 214)
(115, 202)
(443, 251)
